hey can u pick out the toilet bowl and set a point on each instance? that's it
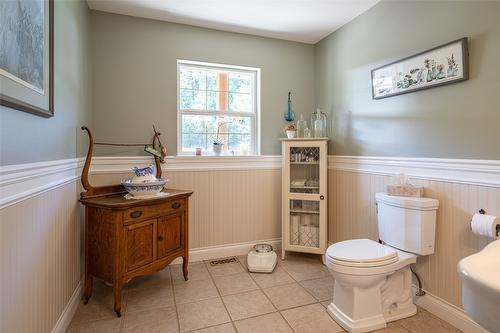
(373, 290)
(373, 281)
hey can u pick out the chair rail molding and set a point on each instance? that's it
(121, 164)
(463, 171)
(23, 181)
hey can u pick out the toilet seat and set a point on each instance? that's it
(361, 253)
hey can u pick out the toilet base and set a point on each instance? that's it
(362, 308)
(355, 326)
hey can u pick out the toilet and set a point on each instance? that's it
(373, 281)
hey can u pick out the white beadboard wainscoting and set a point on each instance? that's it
(236, 202)
(40, 245)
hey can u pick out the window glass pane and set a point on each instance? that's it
(201, 130)
(192, 99)
(240, 102)
(216, 101)
(240, 142)
(192, 141)
(241, 83)
(212, 81)
(193, 79)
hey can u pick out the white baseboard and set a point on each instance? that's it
(228, 250)
(448, 312)
(70, 310)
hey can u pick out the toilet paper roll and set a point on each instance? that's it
(485, 225)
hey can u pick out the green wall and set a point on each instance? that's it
(26, 138)
(135, 76)
(455, 121)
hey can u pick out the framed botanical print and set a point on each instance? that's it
(27, 56)
(445, 64)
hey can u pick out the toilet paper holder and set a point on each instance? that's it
(483, 212)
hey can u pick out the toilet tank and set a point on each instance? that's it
(407, 223)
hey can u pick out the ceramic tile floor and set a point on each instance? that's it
(226, 298)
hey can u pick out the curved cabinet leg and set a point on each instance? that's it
(185, 267)
(87, 293)
(117, 290)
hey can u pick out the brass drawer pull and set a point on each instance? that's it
(176, 205)
(135, 214)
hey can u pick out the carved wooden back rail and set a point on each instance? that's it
(91, 191)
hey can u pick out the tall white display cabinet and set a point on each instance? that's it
(305, 184)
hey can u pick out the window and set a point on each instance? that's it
(217, 103)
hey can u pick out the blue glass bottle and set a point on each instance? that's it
(289, 115)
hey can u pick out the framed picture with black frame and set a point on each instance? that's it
(27, 56)
(445, 64)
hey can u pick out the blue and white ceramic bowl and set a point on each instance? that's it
(147, 188)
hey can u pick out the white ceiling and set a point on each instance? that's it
(305, 21)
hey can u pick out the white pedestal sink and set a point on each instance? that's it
(480, 274)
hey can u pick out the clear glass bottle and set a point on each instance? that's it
(318, 123)
(301, 126)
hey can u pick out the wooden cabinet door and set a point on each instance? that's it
(140, 244)
(170, 234)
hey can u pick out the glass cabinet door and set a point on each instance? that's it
(304, 223)
(304, 170)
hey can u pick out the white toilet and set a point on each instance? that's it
(372, 280)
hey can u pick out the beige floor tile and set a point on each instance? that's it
(151, 298)
(249, 304)
(192, 291)
(201, 314)
(288, 296)
(112, 325)
(235, 284)
(278, 277)
(393, 327)
(311, 319)
(158, 279)
(225, 269)
(243, 262)
(100, 305)
(152, 321)
(196, 271)
(269, 323)
(224, 328)
(423, 321)
(305, 270)
(321, 289)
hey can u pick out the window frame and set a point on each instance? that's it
(254, 116)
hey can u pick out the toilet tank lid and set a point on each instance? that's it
(407, 202)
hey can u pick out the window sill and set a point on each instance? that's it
(224, 162)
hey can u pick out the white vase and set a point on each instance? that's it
(290, 134)
(217, 149)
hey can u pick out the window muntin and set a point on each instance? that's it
(210, 95)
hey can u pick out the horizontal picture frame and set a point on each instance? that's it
(441, 65)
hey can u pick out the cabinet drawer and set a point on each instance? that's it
(146, 212)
